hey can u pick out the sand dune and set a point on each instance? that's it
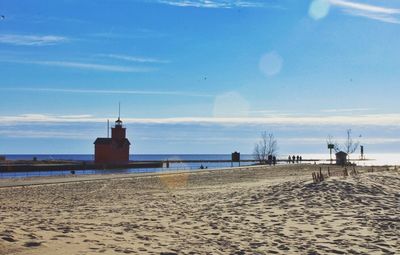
(268, 210)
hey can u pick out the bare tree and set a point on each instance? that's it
(267, 146)
(350, 146)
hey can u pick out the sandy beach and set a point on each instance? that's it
(259, 210)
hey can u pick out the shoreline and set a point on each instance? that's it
(70, 178)
(60, 179)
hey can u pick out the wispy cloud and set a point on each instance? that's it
(134, 58)
(380, 120)
(35, 117)
(45, 134)
(213, 3)
(141, 33)
(322, 140)
(375, 12)
(31, 40)
(348, 110)
(111, 92)
(88, 66)
(370, 120)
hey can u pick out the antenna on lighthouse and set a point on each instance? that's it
(108, 128)
(119, 122)
(119, 110)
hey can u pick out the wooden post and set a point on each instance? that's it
(320, 174)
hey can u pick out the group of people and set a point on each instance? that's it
(271, 160)
(294, 159)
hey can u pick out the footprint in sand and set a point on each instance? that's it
(32, 244)
(9, 239)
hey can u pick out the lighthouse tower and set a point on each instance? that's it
(114, 150)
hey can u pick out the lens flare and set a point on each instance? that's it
(319, 9)
(174, 181)
(271, 63)
(230, 104)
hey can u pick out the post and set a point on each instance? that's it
(320, 173)
(362, 152)
(108, 128)
(330, 147)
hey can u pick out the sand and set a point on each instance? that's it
(260, 210)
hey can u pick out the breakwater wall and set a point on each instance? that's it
(10, 167)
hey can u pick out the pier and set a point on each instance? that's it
(32, 166)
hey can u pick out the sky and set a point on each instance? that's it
(199, 76)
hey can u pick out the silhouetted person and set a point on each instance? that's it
(201, 167)
(293, 158)
(301, 158)
(274, 160)
(269, 159)
(297, 159)
(289, 159)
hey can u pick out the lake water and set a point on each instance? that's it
(377, 159)
(142, 157)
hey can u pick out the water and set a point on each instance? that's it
(142, 157)
(379, 159)
(374, 159)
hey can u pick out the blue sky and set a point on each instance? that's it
(199, 76)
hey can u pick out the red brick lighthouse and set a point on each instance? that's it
(114, 150)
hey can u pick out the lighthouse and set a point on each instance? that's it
(114, 150)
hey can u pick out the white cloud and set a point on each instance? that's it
(89, 66)
(322, 140)
(380, 13)
(122, 92)
(31, 40)
(213, 3)
(364, 7)
(46, 134)
(140, 33)
(347, 110)
(135, 58)
(366, 120)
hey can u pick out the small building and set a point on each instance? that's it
(341, 158)
(114, 150)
